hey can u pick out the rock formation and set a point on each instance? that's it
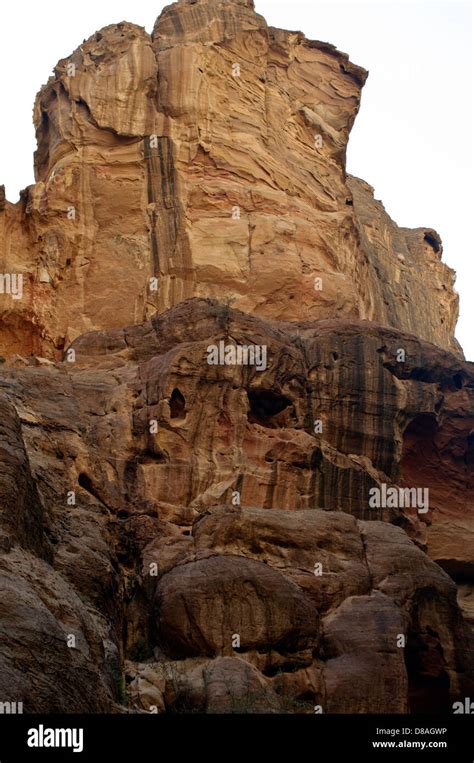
(207, 160)
(179, 535)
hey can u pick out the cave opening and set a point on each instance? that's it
(265, 405)
(177, 405)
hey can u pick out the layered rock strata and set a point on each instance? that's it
(207, 159)
(207, 548)
(236, 430)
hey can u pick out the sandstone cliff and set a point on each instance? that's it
(178, 536)
(209, 156)
(155, 571)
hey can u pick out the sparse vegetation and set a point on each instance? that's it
(222, 311)
(297, 341)
(119, 685)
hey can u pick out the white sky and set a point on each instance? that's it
(412, 139)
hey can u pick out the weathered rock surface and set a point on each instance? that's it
(126, 464)
(201, 605)
(209, 156)
(178, 536)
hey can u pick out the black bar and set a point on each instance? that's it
(143, 737)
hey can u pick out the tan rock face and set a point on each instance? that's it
(187, 529)
(292, 600)
(207, 159)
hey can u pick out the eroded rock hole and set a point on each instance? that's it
(422, 374)
(177, 405)
(433, 242)
(265, 405)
